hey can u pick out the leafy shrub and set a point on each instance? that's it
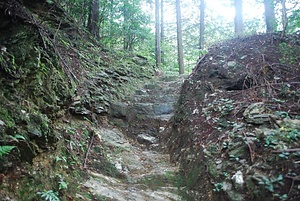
(49, 195)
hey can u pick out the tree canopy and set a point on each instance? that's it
(130, 24)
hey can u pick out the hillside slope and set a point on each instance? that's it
(236, 130)
(52, 71)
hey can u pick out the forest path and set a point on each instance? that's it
(141, 171)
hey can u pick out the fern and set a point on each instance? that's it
(5, 150)
(17, 137)
(49, 195)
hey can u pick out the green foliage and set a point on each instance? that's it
(49, 195)
(40, 66)
(218, 187)
(4, 150)
(271, 184)
(290, 53)
(293, 21)
(5, 116)
(223, 106)
(62, 184)
(281, 138)
(8, 63)
(16, 138)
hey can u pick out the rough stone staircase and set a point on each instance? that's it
(149, 109)
(147, 174)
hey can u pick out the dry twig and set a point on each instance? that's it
(250, 149)
(89, 148)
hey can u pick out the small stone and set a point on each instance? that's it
(195, 111)
(146, 139)
(118, 166)
(231, 64)
(77, 98)
(243, 57)
(79, 196)
(238, 178)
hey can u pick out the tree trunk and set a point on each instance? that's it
(284, 18)
(94, 18)
(202, 16)
(270, 15)
(179, 38)
(125, 25)
(238, 19)
(157, 35)
(162, 33)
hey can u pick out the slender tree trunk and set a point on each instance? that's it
(94, 18)
(157, 35)
(238, 19)
(284, 18)
(179, 38)
(111, 20)
(270, 15)
(162, 32)
(125, 25)
(202, 16)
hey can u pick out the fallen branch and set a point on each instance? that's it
(250, 149)
(88, 149)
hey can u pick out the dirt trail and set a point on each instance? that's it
(146, 173)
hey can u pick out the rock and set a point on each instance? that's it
(146, 139)
(231, 64)
(38, 125)
(80, 111)
(232, 194)
(99, 110)
(118, 109)
(163, 108)
(238, 179)
(142, 108)
(257, 113)
(254, 109)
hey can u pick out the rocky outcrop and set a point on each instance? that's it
(98, 90)
(51, 69)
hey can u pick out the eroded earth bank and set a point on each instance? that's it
(236, 132)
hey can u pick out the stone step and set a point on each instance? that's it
(172, 78)
(151, 108)
(162, 118)
(165, 98)
(164, 90)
